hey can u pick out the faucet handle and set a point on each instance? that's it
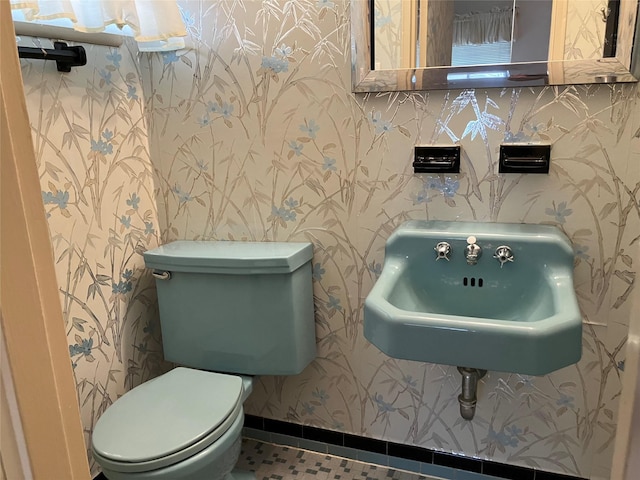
(443, 249)
(472, 251)
(503, 254)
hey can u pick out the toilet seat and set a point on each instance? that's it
(167, 420)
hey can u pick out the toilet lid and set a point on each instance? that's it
(167, 415)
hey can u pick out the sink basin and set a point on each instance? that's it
(521, 316)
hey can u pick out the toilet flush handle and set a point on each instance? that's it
(161, 275)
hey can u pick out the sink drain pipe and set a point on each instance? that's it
(467, 398)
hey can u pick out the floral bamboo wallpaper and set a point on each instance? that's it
(253, 134)
(91, 145)
(388, 36)
(585, 29)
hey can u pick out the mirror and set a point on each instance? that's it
(400, 45)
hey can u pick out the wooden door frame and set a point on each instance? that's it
(32, 322)
(626, 451)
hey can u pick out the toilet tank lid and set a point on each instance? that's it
(229, 256)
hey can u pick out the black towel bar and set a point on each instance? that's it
(65, 56)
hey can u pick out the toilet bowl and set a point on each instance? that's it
(183, 425)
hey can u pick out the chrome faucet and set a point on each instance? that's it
(503, 254)
(443, 249)
(472, 251)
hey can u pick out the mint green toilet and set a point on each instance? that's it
(228, 311)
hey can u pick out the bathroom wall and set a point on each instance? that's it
(255, 135)
(388, 37)
(585, 29)
(91, 145)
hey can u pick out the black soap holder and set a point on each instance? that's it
(518, 158)
(436, 159)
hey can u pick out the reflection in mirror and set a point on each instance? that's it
(487, 34)
(433, 33)
(539, 41)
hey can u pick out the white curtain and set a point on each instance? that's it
(156, 24)
(477, 28)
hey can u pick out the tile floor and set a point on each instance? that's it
(276, 462)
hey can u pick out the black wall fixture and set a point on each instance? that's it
(64, 56)
(436, 159)
(518, 158)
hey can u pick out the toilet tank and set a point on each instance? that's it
(237, 307)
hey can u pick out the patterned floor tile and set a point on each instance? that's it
(277, 462)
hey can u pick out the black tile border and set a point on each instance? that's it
(100, 477)
(514, 472)
(285, 428)
(322, 435)
(364, 443)
(252, 421)
(540, 475)
(457, 461)
(408, 452)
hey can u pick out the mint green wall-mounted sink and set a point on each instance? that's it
(513, 310)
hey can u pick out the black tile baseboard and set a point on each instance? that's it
(409, 452)
(322, 435)
(457, 461)
(101, 477)
(514, 472)
(252, 421)
(363, 443)
(552, 476)
(285, 428)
